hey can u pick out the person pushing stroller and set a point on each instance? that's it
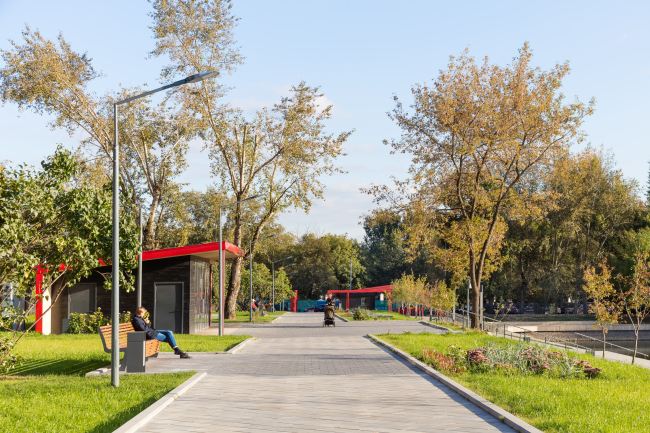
(329, 313)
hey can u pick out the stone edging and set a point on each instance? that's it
(342, 318)
(494, 410)
(435, 325)
(149, 413)
(105, 370)
(239, 346)
(276, 319)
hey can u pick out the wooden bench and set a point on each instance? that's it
(152, 347)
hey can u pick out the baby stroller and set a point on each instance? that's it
(329, 314)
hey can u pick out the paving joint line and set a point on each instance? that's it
(149, 413)
(491, 408)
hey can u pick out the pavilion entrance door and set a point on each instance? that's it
(168, 307)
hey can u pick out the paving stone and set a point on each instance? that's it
(299, 376)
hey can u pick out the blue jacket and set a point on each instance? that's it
(140, 325)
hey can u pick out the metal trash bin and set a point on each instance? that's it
(135, 351)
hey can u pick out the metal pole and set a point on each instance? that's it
(220, 279)
(350, 272)
(139, 287)
(250, 262)
(469, 283)
(273, 286)
(115, 305)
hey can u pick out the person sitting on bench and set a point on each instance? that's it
(141, 323)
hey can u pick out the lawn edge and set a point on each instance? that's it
(342, 318)
(149, 413)
(239, 346)
(435, 325)
(489, 407)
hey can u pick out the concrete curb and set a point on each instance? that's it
(276, 319)
(435, 325)
(494, 410)
(105, 370)
(146, 415)
(342, 318)
(239, 346)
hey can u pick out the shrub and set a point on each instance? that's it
(88, 323)
(361, 315)
(444, 363)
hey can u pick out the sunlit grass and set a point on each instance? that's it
(616, 401)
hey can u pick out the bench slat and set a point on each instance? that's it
(151, 347)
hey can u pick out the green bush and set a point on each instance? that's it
(361, 315)
(88, 323)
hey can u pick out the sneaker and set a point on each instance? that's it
(178, 351)
(185, 355)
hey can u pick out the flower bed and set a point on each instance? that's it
(514, 359)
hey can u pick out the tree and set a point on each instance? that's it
(280, 153)
(595, 203)
(601, 290)
(51, 78)
(636, 300)
(409, 290)
(384, 257)
(65, 230)
(477, 135)
(315, 273)
(263, 284)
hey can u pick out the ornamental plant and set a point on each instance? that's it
(511, 359)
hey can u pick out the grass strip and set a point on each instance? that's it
(394, 315)
(56, 403)
(75, 355)
(615, 401)
(244, 317)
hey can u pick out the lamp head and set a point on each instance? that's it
(200, 77)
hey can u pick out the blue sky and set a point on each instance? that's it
(361, 53)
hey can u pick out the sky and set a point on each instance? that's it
(361, 54)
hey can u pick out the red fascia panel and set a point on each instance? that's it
(213, 247)
(378, 289)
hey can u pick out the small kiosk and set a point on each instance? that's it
(176, 290)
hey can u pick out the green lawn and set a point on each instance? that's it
(395, 316)
(450, 325)
(616, 401)
(49, 393)
(63, 403)
(244, 317)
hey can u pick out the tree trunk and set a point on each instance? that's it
(603, 343)
(636, 342)
(234, 284)
(524, 290)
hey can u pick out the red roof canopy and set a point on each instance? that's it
(377, 289)
(207, 251)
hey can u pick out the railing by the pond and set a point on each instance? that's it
(645, 355)
(508, 330)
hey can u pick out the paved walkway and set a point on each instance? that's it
(301, 377)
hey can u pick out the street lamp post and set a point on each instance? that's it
(138, 290)
(273, 281)
(221, 262)
(115, 299)
(250, 262)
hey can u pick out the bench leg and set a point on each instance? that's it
(123, 363)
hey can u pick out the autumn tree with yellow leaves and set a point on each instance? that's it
(477, 135)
